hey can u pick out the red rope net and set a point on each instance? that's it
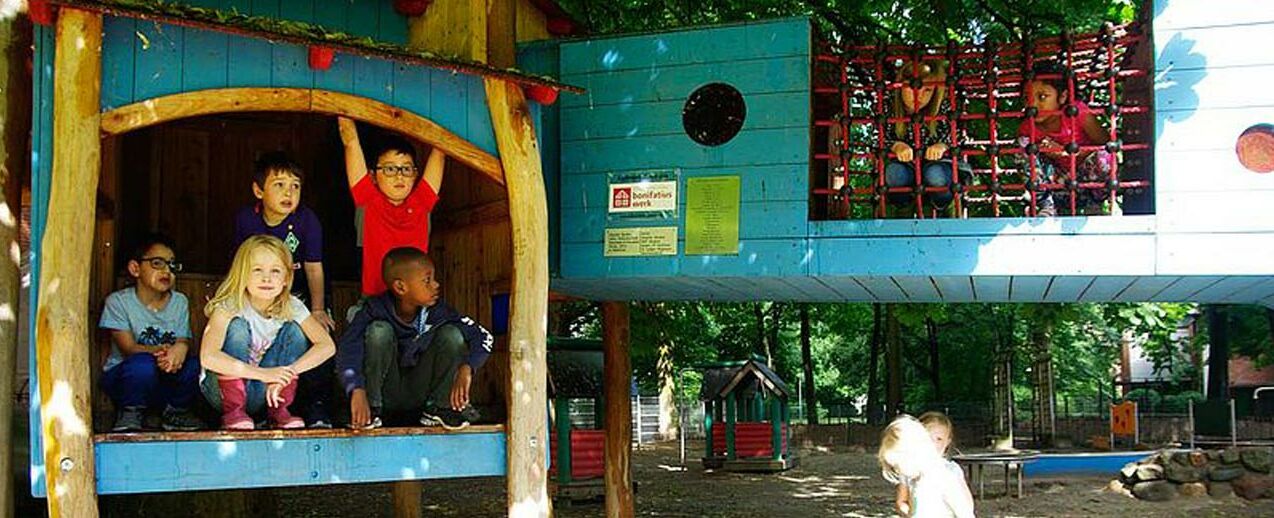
(1050, 127)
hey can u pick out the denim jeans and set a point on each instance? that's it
(287, 347)
(138, 382)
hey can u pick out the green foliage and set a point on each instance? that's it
(893, 21)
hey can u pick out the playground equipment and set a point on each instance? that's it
(1125, 422)
(575, 373)
(103, 69)
(738, 399)
(652, 196)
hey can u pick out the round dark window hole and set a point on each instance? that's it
(1256, 148)
(714, 114)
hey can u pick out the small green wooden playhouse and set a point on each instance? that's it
(575, 374)
(746, 420)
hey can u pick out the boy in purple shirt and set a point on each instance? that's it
(276, 182)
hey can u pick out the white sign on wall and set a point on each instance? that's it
(644, 196)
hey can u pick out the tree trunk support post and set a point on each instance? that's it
(62, 345)
(776, 421)
(15, 162)
(616, 373)
(730, 413)
(562, 415)
(406, 496)
(709, 407)
(527, 428)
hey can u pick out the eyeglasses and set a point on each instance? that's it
(160, 263)
(396, 170)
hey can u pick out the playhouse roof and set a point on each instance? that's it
(724, 378)
(304, 34)
(575, 368)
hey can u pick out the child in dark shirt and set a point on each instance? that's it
(408, 352)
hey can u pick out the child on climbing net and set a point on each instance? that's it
(1052, 129)
(920, 98)
(258, 338)
(912, 457)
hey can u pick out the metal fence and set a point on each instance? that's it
(645, 414)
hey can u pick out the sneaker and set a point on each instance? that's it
(318, 417)
(130, 419)
(444, 417)
(180, 419)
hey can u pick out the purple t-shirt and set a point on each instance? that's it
(300, 231)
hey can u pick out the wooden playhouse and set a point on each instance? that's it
(746, 418)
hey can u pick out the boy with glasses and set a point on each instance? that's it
(150, 364)
(396, 205)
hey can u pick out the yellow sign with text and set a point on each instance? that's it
(640, 241)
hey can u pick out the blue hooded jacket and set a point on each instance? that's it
(411, 341)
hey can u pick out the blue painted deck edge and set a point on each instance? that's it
(1095, 464)
(149, 467)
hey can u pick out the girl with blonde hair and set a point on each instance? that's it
(908, 456)
(257, 339)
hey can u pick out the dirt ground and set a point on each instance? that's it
(827, 483)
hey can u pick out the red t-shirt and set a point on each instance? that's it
(387, 226)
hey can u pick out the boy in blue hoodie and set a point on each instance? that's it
(406, 351)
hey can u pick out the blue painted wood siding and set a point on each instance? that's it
(41, 175)
(163, 466)
(1210, 240)
(144, 60)
(630, 120)
(1212, 83)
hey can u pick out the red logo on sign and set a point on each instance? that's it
(623, 197)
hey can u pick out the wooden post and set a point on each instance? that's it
(406, 495)
(15, 162)
(616, 373)
(730, 412)
(527, 428)
(708, 408)
(452, 27)
(62, 345)
(776, 423)
(501, 33)
(562, 413)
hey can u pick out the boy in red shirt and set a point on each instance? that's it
(396, 206)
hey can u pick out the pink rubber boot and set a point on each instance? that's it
(280, 416)
(234, 403)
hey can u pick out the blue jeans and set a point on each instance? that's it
(138, 382)
(288, 346)
(932, 174)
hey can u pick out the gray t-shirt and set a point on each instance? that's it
(123, 311)
(264, 330)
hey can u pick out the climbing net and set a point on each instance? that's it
(1006, 163)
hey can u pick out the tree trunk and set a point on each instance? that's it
(15, 129)
(1218, 352)
(1002, 383)
(873, 367)
(1125, 361)
(931, 328)
(760, 331)
(807, 363)
(893, 363)
(772, 341)
(1044, 423)
(669, 426)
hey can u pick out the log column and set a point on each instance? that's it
(527, 428)
(62, 340)
(616, 376)
(15, 162)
